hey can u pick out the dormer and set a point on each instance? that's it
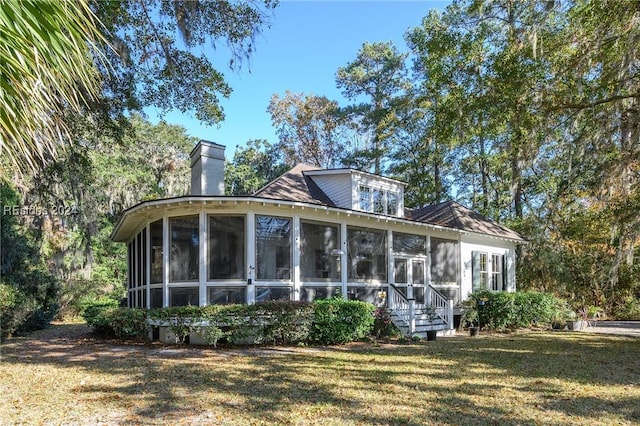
(356, 190)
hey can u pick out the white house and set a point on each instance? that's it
(311, 233)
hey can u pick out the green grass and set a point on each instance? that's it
(57, 376)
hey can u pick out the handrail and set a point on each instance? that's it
(400, 305)
(404, 308)
(443, 306)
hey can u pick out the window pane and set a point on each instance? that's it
(377, 296)
(400, 271)
(143, 246)
(156, 298)
(268, 294)
(226, 247)
(316, 261)
(378, 201)
(417, 271)
(156, 252)
(185, 254)
(273, 246)
(484, 271)
(496, 272)
(309, 294)
(365, 198)
(367, 254)
(444, 255)
(184, 296)
(409, 244)
(139, 263)
(226, 295)
(392, 204)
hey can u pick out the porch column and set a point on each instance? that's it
(204, 244)
(296, 258)
(251, 258)
(344, 267)
(166, 246)
(147, 283)
(428, 262)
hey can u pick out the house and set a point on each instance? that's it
(311, 233)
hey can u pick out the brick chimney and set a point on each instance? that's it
(207, 169)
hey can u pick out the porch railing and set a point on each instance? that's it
(444, 306)
(403, 308)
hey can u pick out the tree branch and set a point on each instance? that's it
(585, 105)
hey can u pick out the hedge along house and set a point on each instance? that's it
(311, 233)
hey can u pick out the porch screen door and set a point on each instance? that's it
(407, 272)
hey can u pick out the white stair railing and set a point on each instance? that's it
(403, 308)
(444, 306)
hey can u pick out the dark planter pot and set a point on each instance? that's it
(474, 331)
(558, 326)
(432, 335)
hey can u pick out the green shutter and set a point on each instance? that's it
(505, 287)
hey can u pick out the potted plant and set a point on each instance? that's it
(578, 320)
(430, 312)
(470, 317)
(560, 317)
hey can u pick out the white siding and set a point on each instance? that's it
(337, 187)
(490, 246)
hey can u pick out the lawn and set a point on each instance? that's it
(62, 376)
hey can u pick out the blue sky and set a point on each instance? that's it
(307, 42)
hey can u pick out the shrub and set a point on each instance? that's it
(95, 312)
(127, 323)
(283, 322)
(383, 326)
(324, 321)
(182, 320)
(502, 310)
(629, 310)
(338, 321)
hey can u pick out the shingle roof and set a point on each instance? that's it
(295, 186)
(454, 215)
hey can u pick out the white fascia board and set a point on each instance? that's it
(142, 211)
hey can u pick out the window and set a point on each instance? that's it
(270, 294)
(400, 271)
(184, 257)
(409, 244)
(309, 294)
(365, 198)
(377, 296)
(487, 271)
(184, 296)
(497, 280)
(392, 204)
(226, 247)
(378, 201)
(156, 252)
(484, 270)
(417, 272)
(156, 298)
(226, 295)
(316, 261)
(367, 254)
(444, 261)
(273, 247)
